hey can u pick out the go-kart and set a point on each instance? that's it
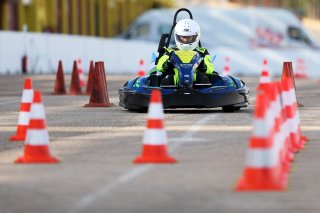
(227, 92)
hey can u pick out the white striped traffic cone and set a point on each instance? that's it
(287, 72)
(263, 170)
(81, 74)
(226, 70)
(288, 147)
(36, 149)
(282, 135)
(290, 105)
(155, 138)
(25, 105)
(141, 70)
(265, 78)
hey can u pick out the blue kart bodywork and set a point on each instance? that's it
(227, 92)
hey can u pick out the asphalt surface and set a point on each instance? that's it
(97, 146)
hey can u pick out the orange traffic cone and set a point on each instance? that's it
(24, 113)
(287, 73)
(99, 93)
(81, 73)
(282, 133)
(90, 77)
(155, 138)
(36, 148)
(289, 143)
(59, 85)
(264, 77)
(75, 88)
(226, 70)
(290, 106)
(141, 71)
(263, 171)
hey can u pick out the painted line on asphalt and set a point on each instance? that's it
(107, 189)
(9, 102)
(190, 132)
(130, 175)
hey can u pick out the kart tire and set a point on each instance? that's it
(139, 110)
(228, 109)
(168, 80)
(154, 80)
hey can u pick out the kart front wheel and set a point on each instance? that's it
(229, 109)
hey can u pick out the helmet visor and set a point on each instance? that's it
(186, 39)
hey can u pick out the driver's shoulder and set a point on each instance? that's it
(171, 49)
(201, 50)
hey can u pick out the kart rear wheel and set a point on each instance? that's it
(141, 110)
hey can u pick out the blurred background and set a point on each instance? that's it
(108, 18)
(35, 34)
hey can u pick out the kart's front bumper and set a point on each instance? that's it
(185, 98)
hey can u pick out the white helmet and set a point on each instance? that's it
(187, 34)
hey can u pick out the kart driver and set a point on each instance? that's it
(187, 36)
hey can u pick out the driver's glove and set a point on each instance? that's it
(154, 82)
(167, 66)
(202, 66)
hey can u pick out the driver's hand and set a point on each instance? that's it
(203, 66)
(167, 66)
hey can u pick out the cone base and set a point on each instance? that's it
(17, 138)
(99, 105)
(50, 159)
(36, 154)
(75, 93)
(301, 76)
(263, 179)
(59, 93)
(304, 139)
(300, 104)
(165, 159)
(296, 144)
(297, 148)
(244, 185)
(290, 156)
(154, 154)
